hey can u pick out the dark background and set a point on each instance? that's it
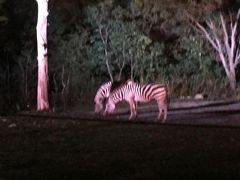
(157, 35)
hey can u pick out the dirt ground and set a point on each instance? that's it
(191, 145)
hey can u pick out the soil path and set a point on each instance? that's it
(194, 144)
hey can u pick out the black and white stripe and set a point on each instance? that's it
(133, 92)
(102, 93)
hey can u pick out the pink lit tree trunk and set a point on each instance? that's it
(42, 89)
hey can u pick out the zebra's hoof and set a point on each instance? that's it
(163, 120)
(132, 118)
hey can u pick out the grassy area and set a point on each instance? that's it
(71, 149)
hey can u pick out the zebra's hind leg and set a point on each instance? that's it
(161, 108)
(159, 114)
(165, 112)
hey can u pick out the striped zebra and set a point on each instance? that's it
(133, 92)
(102, 93)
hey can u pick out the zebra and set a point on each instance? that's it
(102, 93)
(133, 92)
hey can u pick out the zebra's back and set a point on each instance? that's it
(134, 92)
(147, 92)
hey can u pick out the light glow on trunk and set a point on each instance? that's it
(42, 89)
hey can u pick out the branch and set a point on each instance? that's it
(123, 64)
(215, 36)
(223, 23)
(207, 35)
(237, 58)
(235, 36)
(104, 40)
(214, 41)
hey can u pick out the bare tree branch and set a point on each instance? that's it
(104, 40)
(226, 36)
(226, 44)
(207, 35)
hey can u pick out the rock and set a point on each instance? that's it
(13, 125)
(198, 97)
(4, 120)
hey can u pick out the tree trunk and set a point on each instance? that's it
(42, 89)
(232, 80)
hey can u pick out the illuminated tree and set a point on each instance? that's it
(42, 89)
(225, 40)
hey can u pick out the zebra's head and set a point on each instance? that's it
(100, 101)
(98, 105)
(101, 95)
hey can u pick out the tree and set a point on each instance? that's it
(225, 40)
(42, 89)
(98, 16)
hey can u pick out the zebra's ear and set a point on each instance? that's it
(129, 81)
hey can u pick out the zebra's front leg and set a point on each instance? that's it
(133, 115)
(132, 109)
(135, 109)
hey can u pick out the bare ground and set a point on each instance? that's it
(195, 143)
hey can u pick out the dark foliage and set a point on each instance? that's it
(147, 40)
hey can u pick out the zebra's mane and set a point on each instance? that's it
(116, 85)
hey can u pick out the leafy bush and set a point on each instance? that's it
(193, 70)
(69, 69)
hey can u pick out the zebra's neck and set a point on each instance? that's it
(118, 95)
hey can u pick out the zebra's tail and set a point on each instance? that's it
(167, 97)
